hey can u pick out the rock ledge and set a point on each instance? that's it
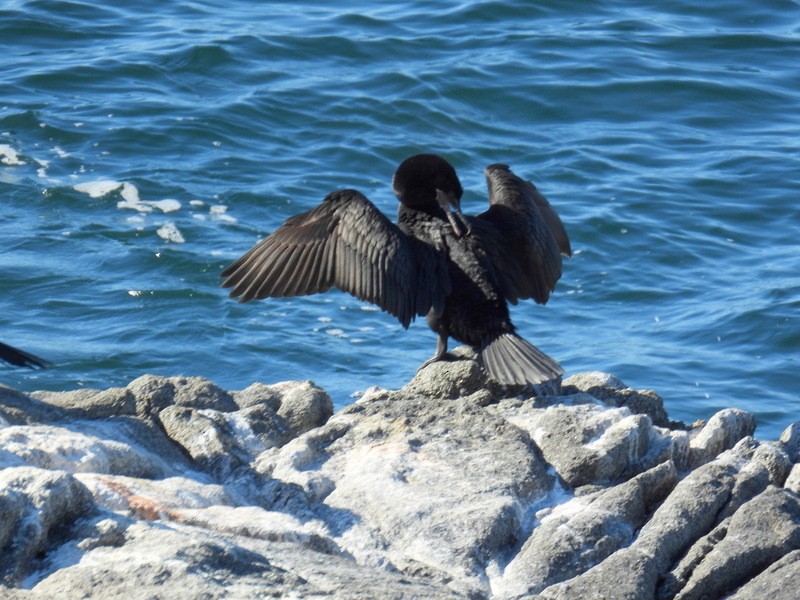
(451, 487)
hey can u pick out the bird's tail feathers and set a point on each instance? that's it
(511, 360)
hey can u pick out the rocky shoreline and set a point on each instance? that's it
(451, 487)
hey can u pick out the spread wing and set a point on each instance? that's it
(347, 243)
(526, 236)
(20, 358)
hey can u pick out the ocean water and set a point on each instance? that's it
(143, 148)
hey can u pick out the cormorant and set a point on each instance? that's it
(458, 270)
(20, 358)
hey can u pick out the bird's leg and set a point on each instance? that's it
(441, 350)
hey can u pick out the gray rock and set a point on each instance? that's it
(186, 562)
(790, 440)
(200, 393)
(169, 564)
(258, 394)
(266, 425)
(775, 459)
(646, 402)
(628, 574)
(417, 481)
(153, 499)
(453, 487)
(613, 392)
(303, 406)
(586, 442)
(36, 505)
(207, 437)
(458, 376)
(17, 408)
(75, 448)
(283, 411)
(584, 531)
(91, 404)
(793, 480)
(221, 443)
(687, 514)
(751, 480)
(154, 393)
(603, 386)
(721, 433)
(779, 581)
(761, 532)
(102, 531)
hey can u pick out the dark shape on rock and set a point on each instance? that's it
(20, 358)
(458, 270)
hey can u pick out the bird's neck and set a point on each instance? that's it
(410, 216)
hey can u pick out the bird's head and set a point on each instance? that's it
(428, 183)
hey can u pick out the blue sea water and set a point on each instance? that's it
(144, 147)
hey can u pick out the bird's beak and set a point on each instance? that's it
(458, 221)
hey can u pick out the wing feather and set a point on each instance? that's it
(20, 358)
(348, 243)
(528, 237)
(307, 270)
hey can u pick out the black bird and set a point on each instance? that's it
(460, 271)
(20, 358)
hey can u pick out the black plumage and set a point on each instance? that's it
(20, 358)
(460, 271)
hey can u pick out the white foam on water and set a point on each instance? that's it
(42, 163)
(170, 233)
(9, 156)
(225, 218)
(219, 213)
(60, 153)
(197, 203)
(130, 199)
(199, 217)
(99, 188)
(129, 192)
(167, 205)
(139, 206)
